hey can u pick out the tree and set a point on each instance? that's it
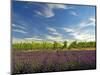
(55, 45)
(73, 45)
(65, 44)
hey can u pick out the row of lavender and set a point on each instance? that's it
(39, 61)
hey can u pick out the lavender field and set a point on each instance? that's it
(52, 37)
(52, 61)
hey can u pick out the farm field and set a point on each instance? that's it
(52, 37)
(52, 61)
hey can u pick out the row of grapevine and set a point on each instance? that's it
(76, 44)
(52, 45)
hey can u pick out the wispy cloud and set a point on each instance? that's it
(53, 31)
(14, 25)
(68, 29)
(54, 38)
(77, 32)
(46, 13)
(36, 39)
(18, 26)
(92, 19)
(55, 35)
(19, 31)
(83, 36)
(89, 22)
(16, 40)
(73, 13)
(57, 6)
(48, 9)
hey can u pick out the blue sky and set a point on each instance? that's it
(52, 22)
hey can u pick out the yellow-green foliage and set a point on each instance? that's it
(44, 45)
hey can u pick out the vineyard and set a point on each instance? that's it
(53, 45)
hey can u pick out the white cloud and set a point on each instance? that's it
(19, 31)
(46, 13)
(14, 25)
(56, 33)
(55, 6)
(73, 13)
(89, 22)
(53, 31)
(92, 19)
(54, 38)
(79, 34)
(16, 40)
(48, 10)
(30, 39)
(68, 29)
(83, 36)
(18, 26)
(36, 38)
